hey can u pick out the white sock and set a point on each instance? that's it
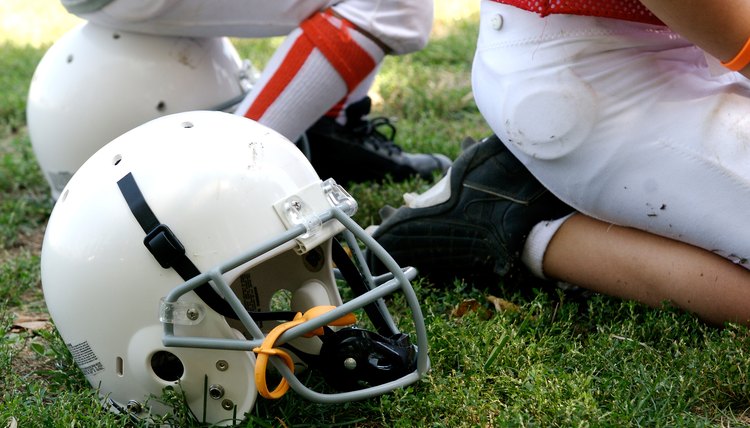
(536, 244)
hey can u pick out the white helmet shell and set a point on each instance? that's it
(241, 204)
(95, 83)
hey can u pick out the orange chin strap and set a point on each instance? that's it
(267, 349)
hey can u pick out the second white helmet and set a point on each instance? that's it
(95, 83)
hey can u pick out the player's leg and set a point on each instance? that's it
(638, 131)
(327, 66)
(192, 18)
(635, 265)
(472, 225)
(329, 55)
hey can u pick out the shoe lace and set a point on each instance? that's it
(378, 132)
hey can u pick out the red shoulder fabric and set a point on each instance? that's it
(628, 10)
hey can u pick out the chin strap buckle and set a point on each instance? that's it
(353, 358)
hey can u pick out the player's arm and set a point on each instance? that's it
(720, 27)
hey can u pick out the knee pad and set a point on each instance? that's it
(549, 117)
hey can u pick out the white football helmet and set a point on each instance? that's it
(167, 253)
(95, 83)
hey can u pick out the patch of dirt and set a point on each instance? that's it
(30, 241)
(26, 362)
(30, 317)
(33, 240)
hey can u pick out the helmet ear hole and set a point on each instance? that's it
(167, 366)
(314, 260)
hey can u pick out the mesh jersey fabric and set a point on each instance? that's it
(628, 10)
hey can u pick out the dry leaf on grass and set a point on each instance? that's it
(502, 305)
(30, 323)
(468, 306)
(473, 305)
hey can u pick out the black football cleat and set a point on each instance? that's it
(364, 150)
(478, 233)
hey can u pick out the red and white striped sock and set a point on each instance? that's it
(311, 73)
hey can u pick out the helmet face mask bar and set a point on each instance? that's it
(394, 282)
(151, 323)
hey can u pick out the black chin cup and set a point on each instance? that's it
(352, 358)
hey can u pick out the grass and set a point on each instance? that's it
(555, 360)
